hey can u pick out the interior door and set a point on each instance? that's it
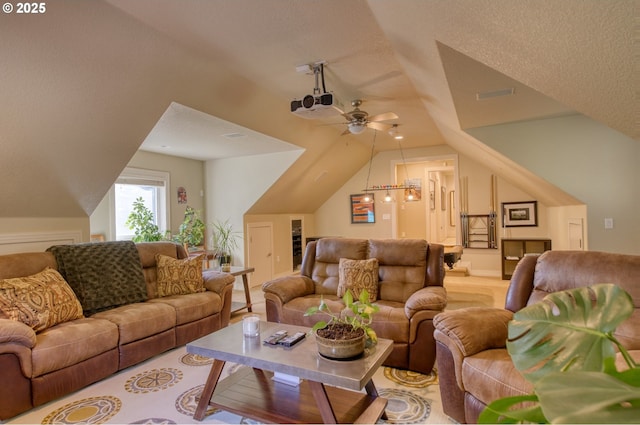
(260, 252)
(576, 234)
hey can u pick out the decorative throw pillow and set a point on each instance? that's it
(357, 275)
(39, 301)
(179, 277)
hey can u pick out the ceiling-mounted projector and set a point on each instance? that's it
(314, 106)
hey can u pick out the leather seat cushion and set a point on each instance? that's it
(140, 320)
(490, 375)
(391, 322)
(192, 307)
(72, 342)
(293, 311)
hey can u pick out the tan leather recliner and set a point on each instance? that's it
(474, 366)
(410, 292)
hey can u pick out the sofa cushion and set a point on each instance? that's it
(192, 307)
(293, 311)
(357, 275)
(103, 275)
(391, 322)
(39, 301)
(402, 266)
(179, 277)
(140, 320)
(70, 343)
(329, 251)
(490, 375)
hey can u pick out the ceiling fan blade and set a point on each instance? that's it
(379, 126)
(344, 133)
(384, 117)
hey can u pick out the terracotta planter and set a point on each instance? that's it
(340, 349)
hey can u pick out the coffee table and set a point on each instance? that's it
(329, 391)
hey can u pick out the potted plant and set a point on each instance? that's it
(346, 334)
(140, 220)
(191, 230)
(225, 240)
(565, 346)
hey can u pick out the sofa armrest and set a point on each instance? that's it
(474, 329)
(287, 288)
(430, 298)
(15, 332)
(216, 281)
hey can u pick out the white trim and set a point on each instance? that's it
(36, 241)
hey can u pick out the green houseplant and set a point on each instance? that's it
(140, 220)
(347, 332)
(225, 240)
(565, 347)
(192, 229)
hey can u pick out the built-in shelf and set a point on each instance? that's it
(514, 249)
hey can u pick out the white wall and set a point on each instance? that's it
(590, 161)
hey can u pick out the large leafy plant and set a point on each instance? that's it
(140, 220)
(192, 228)
(565, 347)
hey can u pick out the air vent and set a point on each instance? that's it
(234, 135)
(495, 93)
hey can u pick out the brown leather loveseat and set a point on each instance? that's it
(39, 366)
(410, 292)
(473, 363)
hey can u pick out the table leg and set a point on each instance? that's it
(209, 388)
(324, 406)
(373, 391)
(247, 292)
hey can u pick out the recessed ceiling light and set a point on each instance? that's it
(234, 135)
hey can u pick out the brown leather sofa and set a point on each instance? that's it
(473, 364)
(39, 367)
(410, 292)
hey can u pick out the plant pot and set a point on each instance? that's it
(340, 349)
(225, 267)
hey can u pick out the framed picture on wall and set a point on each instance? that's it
(432, 194)
(363, 210)
(520, 214)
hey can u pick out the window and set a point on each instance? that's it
(134, 183)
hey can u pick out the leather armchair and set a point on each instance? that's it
(410, 292)
(474, 366)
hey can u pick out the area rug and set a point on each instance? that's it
(164, 390)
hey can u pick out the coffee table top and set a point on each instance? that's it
(301, 360)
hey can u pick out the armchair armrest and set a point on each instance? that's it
(430, 298)
(15, 332)
(474, 329)
(287, 288)
(216, 281)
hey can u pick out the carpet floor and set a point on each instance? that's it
(163, 390)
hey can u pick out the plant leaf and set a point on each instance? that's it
(588, 397)
(501, 411)
(567, 330)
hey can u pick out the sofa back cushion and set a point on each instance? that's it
(402, 267)
(329, 251)
(147, 252)
(560, 270)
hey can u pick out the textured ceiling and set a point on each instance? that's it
(85, 84)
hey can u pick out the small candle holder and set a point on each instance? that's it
(251, 325)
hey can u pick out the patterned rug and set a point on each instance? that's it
(164, 390)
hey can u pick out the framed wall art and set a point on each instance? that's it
(362, 210)
(520, 214)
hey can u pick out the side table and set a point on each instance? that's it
(242, 271)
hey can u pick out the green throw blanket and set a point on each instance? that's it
(103, 275)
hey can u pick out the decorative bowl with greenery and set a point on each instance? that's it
(564, 345)
(356, 315)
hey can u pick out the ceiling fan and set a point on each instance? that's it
(358, 120)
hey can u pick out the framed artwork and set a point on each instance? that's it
(362, 211)
(413, 191)
(182, 195)
(520, 214)
(443, 198)
(452, 208)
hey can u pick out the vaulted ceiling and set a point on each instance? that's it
(86, 83)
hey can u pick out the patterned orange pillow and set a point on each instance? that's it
(39, 301)
(357, 275)
(179, 277)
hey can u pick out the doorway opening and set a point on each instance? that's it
(433, 212)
